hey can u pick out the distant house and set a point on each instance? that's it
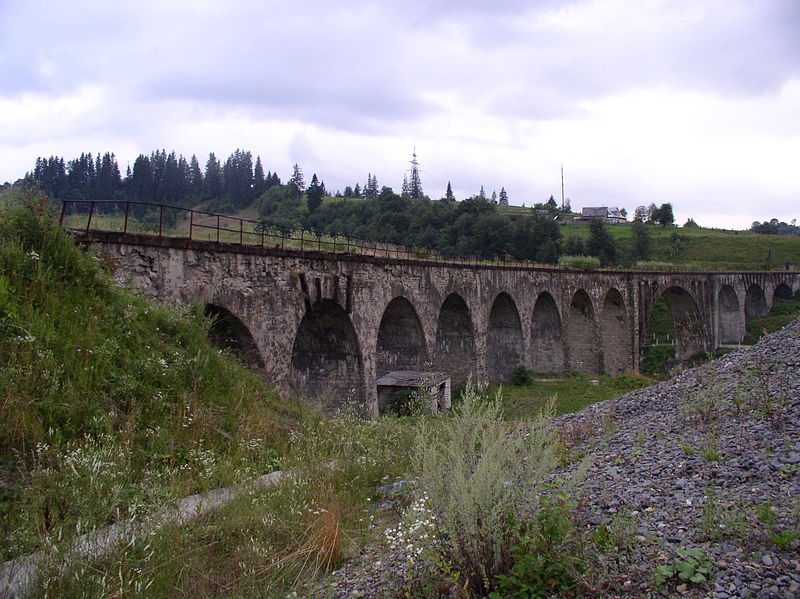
(609, 215)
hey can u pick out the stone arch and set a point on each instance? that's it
(755, 303)
(731, 327)
(401, 341)
(783, 291)
(583, 349)
(690, 336)
(455, 339)
(504, 340)
(228, 332)
(326, 359)
(547, 343)
(617, 355)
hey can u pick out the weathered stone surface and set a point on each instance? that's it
(330, 324)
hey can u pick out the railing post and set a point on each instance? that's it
(89, 221)
(217, 228)
(302, 239)
(241, 232)
(63, 210)
(160, 219)
(125, 226)
(191, 223)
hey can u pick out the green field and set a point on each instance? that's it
(706, 249)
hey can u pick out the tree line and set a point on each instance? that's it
(160, 177)
(472, 227)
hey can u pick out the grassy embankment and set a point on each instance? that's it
(112, 408)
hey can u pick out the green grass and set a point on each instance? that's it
(705, 249)
(109, 405)
(572, 392)
(783, 312)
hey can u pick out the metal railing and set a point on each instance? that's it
(162, 220)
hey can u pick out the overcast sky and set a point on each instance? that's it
(693, 102)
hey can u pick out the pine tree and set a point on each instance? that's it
(314, 194)
(503, 197)
(195, 178)
(415, 183)
(357, 191)
(448, 195)
(297, 181)
(482, 193)
(405, 190)
(212, 180)
(494, 197)
(259, 180)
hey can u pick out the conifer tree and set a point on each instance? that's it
(415, 183)
(314, 194)
(503, 197)
(448, 195)
(259, 180)
(297, 181)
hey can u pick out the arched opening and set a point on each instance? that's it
(617, 355)
(547, 344)
(401, 342)
(583, 348)
(675, 322)
(326, 361)
(783, 291)
(755, 302)
(731, 327)
(455, 339)
(505, 339)
(229, 333)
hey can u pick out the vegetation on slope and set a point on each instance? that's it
(110, 406)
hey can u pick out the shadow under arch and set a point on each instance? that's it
(326, 358)
(547, 342)
(401, 341)
(755, 302)
(617, 353)
(731, 327)
(229, 333)
(455, 340)
(690, 334)
(504, 341)
(583, 349)
(783, 291)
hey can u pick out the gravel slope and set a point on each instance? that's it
(709, 459)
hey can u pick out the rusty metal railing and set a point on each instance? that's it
(162, 220)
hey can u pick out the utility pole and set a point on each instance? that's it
(563, 205)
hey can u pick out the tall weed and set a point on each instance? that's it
(482, 477)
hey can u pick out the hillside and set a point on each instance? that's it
(110, 406)
(700, 248)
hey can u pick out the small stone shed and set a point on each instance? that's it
(396, 388)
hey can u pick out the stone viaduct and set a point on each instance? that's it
(327, 325)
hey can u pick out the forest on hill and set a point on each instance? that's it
(478, 226)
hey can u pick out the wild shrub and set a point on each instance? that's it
(521, 376)
(482, 477)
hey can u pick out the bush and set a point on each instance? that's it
(480, 477)
(521, 376)
(579, 262)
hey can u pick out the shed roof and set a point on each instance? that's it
(411, 378)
